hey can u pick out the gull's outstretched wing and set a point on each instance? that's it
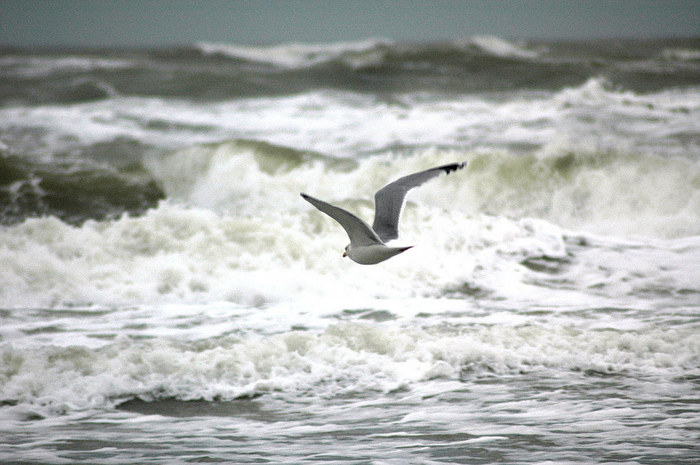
(358, 231)
(388, 200)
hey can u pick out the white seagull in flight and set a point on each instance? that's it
(368, 245)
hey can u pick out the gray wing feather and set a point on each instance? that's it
(389, 199)
(358, 231)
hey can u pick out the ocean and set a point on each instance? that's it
(166, 296)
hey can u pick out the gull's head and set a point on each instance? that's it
(347, 247)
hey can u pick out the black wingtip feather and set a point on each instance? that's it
(453, 167)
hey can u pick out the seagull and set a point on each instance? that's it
(368, 244)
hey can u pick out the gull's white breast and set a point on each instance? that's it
(372, 254)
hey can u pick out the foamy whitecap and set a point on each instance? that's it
(500, 47)
(189, 254)
(294, 55)
(41, 67)
(338, 123)
(684, 54)
(180, 253)
(345, 357)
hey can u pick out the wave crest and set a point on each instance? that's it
(298, 55)
(499, 47)
(345, 357)
(372, 52)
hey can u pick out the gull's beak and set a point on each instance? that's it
(345, 254)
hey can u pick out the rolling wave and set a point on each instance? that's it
(232, 214)
(345, 357)
(76, 191)
(374, 52)
(298, 55)
(216, 71)
(653, 195)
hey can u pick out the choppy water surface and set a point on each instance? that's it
(167, 297)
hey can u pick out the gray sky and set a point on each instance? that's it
(177, 22)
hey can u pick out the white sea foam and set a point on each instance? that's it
(221, 240)
(176, 254)
(233, 217)
(345, 357)
(565, 183)
(591, 116)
